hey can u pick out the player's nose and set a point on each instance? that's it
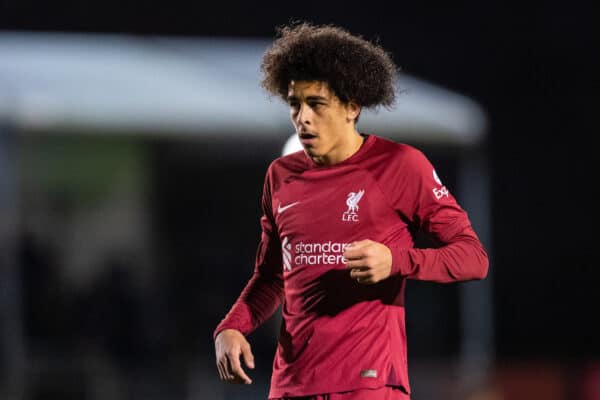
(304, 115)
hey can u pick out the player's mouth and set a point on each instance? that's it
(307, 138)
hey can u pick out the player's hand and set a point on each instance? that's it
(369, 262)
(230, 344)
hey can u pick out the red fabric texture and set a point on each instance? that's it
(335, 329)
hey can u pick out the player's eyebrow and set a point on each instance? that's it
(308, 98)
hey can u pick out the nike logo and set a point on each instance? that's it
(282, 209)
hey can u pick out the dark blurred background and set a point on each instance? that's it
(125, 254)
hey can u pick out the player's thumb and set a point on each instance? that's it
(359, 244)
(248, 356)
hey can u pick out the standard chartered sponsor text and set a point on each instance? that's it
(324, 253)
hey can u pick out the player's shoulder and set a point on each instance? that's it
(290, 164)
(397, 152)
(293, 162)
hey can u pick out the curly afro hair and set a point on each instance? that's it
(355, 69)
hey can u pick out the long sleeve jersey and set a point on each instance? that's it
(336, 334)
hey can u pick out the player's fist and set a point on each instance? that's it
(369, 262)
(230, 344)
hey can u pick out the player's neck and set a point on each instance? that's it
(348, 145)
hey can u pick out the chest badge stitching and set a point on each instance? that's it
(351, 214)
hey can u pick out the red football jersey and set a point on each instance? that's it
(338, 335)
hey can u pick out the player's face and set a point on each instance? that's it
(324, 124)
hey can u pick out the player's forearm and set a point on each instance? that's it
(463, 259)
(257, 302)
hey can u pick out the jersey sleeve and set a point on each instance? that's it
(425, 203)
(264, 291)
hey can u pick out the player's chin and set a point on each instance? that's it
(311, 150)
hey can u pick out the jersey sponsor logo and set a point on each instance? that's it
(436, 178)
(312, 253)
(441, 192)
(286, 248)
(282, 209)
(351, 215)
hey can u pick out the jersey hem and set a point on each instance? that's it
(301, 391)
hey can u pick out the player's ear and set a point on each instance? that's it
(352, 111)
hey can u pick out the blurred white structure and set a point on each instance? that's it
(187, 86)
